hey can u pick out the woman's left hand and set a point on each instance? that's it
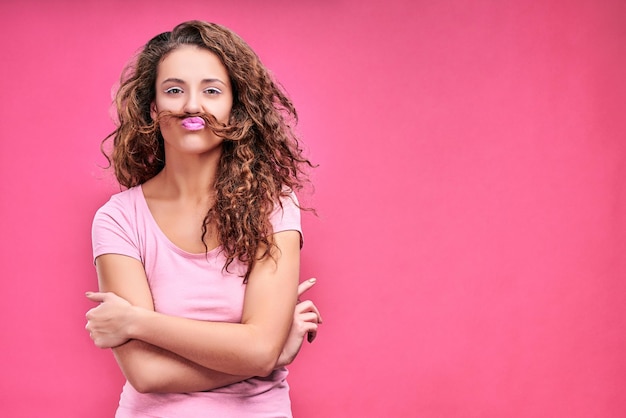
(108, 323)
(306, 319)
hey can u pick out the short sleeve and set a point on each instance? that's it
(287, 218)
(113, 231)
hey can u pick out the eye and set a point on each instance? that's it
(174, 90)
(213, 90)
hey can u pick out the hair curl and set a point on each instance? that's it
(261, 159)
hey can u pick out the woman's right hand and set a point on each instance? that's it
(306, 318)
(108, 322)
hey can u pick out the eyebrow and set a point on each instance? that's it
(204, 81)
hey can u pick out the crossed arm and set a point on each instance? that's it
(161, 353)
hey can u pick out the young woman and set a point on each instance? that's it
(198, 260)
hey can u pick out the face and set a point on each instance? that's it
(191, 80)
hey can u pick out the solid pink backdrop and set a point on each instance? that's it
(471, 197)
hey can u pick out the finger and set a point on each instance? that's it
(89, 315)
(307, 327)
(308, 317)
(308, 306)
(306, 285)
(96, 296)
(308, 324)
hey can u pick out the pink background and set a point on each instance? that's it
(471, 192)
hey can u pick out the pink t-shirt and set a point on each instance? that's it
(192, 286)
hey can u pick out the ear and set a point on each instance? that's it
(153, 111)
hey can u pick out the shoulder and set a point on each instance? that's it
(286, 213)
(125, 198)
(287, 205)
(120, 205)
(115, 224)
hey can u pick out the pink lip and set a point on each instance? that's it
(193, 124)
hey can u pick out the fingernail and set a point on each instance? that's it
(312, 280)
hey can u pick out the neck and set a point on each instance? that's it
(189, 177)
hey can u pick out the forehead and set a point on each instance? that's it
(191, 63)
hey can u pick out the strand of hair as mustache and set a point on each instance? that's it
(232, 131)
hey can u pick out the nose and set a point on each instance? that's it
(192, 104)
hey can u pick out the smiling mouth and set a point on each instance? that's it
(193, 124)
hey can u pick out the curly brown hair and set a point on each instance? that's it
(261, 159)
